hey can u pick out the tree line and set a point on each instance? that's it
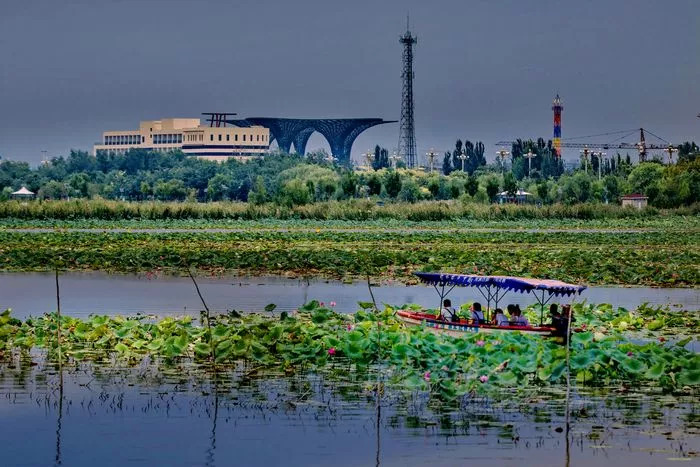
(291, 179)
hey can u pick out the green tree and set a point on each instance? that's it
(392, 183)
(645, 179)
(410, 192)
(510, 185)
(447, 164)
(258, 195)
(52, 190)
(472, 185)
(374, 184)
(294, 193)
(491, 188)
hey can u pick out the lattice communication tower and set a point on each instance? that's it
(407, 135)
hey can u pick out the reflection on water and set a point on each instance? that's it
(148, 415)
(85, 293)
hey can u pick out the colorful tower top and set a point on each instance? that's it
(556, 139)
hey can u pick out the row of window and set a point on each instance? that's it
(123, 139)
(167, 139)
(195, 137)
(258, 138)
(196, 147)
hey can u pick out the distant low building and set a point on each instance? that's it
(635, 200)
(22, 193)
(519, 197)
(189, 136)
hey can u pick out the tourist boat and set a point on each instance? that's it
(493, 289)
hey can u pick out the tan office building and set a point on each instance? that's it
(191, 137)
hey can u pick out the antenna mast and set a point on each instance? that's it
(407, 133)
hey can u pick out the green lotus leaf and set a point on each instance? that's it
(632, 365)
(689, 378)
(655, 371)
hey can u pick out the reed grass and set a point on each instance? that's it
(354, 210)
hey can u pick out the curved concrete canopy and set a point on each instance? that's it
(340, 132)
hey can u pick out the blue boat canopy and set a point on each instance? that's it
(507, 283)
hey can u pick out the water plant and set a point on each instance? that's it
(649, 258)
(412, 358)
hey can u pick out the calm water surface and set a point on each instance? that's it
(95, 292)
(113, 416)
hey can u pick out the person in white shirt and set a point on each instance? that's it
(448, 313)
(500, 319)
(477, 314)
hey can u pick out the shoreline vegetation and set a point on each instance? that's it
(349, 210)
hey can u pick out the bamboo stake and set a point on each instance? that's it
(211, 340)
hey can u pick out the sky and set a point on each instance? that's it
(484, 70)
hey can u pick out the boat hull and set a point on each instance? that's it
(464, 327)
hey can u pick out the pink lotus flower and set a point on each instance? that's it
(629, 354)
(662, 339)
(331, 351)
(321, 304)
(332, 303)
(349, 327)
(480, 343)
(483, 378)
(426, 376)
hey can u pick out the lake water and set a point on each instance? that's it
(96, 292)
(112, 416)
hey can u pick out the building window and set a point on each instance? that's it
(219, 136)
(228, 137)
(235, 137)
(243, 137)
(211, 137)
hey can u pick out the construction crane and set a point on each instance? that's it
(642, 145)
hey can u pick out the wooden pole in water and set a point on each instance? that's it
(206, 308)
(378, 406)
(58, 318)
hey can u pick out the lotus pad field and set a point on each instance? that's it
(412, 358)
(661, 257)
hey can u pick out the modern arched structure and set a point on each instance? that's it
(340, 132)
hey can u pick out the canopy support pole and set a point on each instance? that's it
(542, 303)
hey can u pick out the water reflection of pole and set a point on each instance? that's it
(568, 386)
(57, 460)
(379, 374)
(212, 438)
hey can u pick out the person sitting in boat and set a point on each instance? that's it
(448, 313)
(521, 320)
(516, 316)
(554, 314)
(499, 318)
(512, 313)
(477, 314)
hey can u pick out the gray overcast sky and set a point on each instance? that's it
(485, 70)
